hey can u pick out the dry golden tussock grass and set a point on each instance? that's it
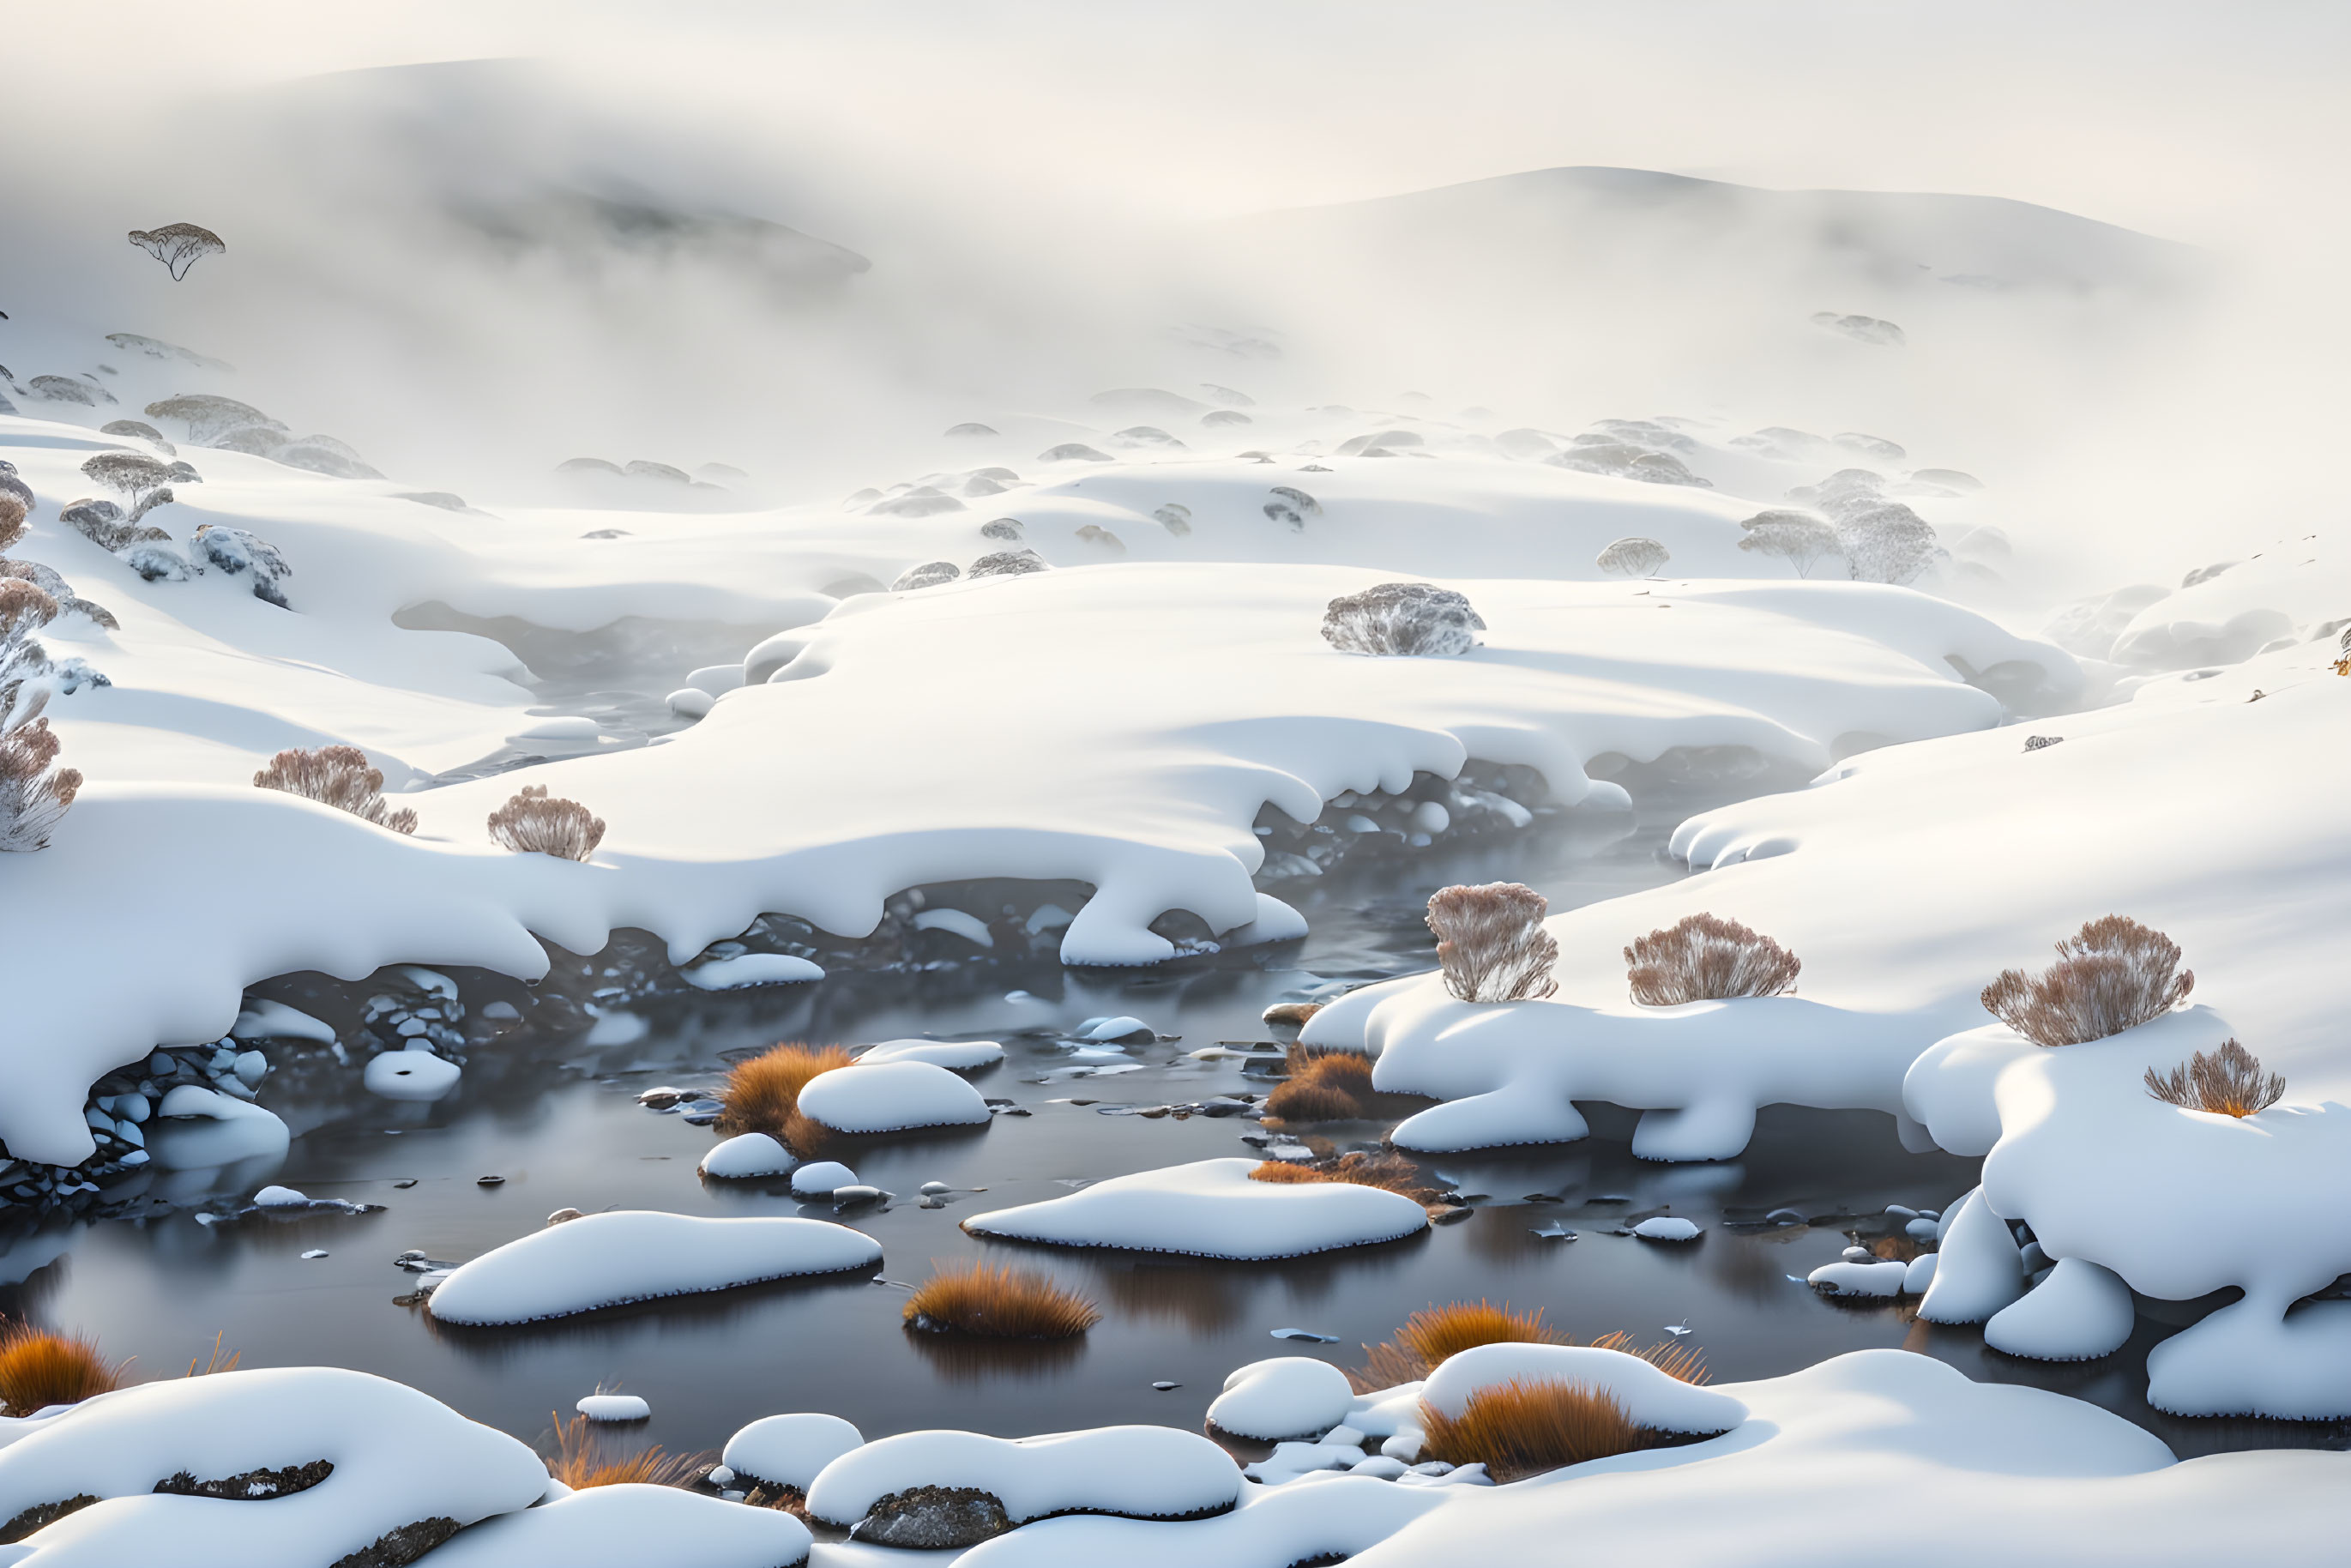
(2113, 975)
(1324, 1086)
(221, 1359)
(1389, 1172)
(1001, 1302)
(1431, 1334)
(2229, 1081)
(38, 1369)
(1518, 1429)
(579, 1460)
(762, 1095)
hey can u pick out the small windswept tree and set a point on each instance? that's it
(1402, 620)
(1633, 557)
(2114, 975)
(132, 475)
(178, 247)
(337, 776)
(1492, 942)
(2227, 1081)
(1704, 958)
(33, 799)
(532, 823)
(1796, 538)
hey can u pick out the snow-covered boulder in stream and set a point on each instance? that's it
(640, 1255)
(891, 1096)
(630, 1526)
(1283, 1396)
(1210, 1208)
(789, 1450)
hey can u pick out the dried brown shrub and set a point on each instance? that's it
(1704, 958)
(2115, 975)
(31, 798)
(2227, 1081)
(1388, 1172)
(25, 609)
(1492, 942)
(579, 1460)
(762, 1095)
(1401, 620)
(1523, 1428)
(337, 776)
(532, 823)
(12, 520)
(1324, 1086)
(39, 1369)
(1001, 1302)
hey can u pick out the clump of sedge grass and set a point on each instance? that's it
(762, 1095)
(1704, 958)
(38, 1369)
(1390, 1173)
(1324, 1086)
(221, 1360)
(579, 1460)
(2228, 1082)
(2114, 975)
(1001, 1302)
(1519, 1430)
(1433, 1333)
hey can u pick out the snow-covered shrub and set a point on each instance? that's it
(2228, 1082)
(2042, 742)
(178, 247)
(337, 776)
(1633, 557)
(532, 823)
(101, 522)
(1004, 528)
(2114, 975)
(129, 474)
(236, 550)
(1796, 538)
(32, 797)
(1175, 517)
(38, 1369)
(148, 502)
(1407, 619)
(1298, 500)
(999, 1302)
(209, 417)
(1523, 1428)
(1388, 1172)
(1095, 534)
(1888, 543)
(1860, 329)
(1704, 958)
(66, 389)
(1007, 563)
(1073, 452)
(47, 581)
(930, 574)
(12, 520)
(1492, 942)
(10, 485)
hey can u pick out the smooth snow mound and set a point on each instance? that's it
(823, 1179)
(630, 1526)
(789, 1450)
(748, 1156)
(1282, 1397)
(1141, 1472)
(1209, 1209)
(639, 1255)
(892, 1097)
(753, 969)
(1652, 1398)
(955, 1055)
(411, 1075)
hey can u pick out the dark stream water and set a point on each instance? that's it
(560, 1123)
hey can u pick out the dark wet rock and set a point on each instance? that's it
(930, 574)
(1073, 452)
(934, 1518)
(1006, 529)
(1008, 563)
(398, 1548)
(253, 1486)
(1402, 619)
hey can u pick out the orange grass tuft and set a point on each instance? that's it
(1433, 1333)
(762, 1095)
(39, 1369)
(1519, 1430)
(221, 1359)
(1327, 1086)
(1390, 1173)
(1001, 1303)
(579, 1461)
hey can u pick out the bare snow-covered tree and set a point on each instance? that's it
(1704, 958)
(1633, 557)
(337, 776)
(1794, 537)
(209, 417)
(32, 797)
(532, 823)
(1492, 942)
(1007, 563)
(2228, 1082)
(134, 475)
(1888, 544)
(1407, 619)
(178, 247)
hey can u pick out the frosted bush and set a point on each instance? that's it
(157, 561)
(532, 823)
(208, 416)
(1860, 329)
(930, 574)
(1704, 958)
(1402, 620)
(1175, 517)
(236, 550)
(103, 524)
(2227, 1081)
(2114, 975)
(1298, 500)
(130, 474)
(65, 389)
(1007, 563)
(178, 247)
(1796, 538)
(1492, 943)
(1887, 543)
(12, 520)
(32, 797)
(1004, 528)
(1634, 558)
(337, 776)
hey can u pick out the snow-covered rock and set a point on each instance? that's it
(1667, 1228)
(748, 1156)
(823, 1178)
(1285, 1396)
(955, 1055)
(892, 1097)
(613, 1407)
(789, 1450)
(1210, 1209)
(753, 969)
(1141, 1472)
(628, 1526)
(411, 1075)
(638, 1255)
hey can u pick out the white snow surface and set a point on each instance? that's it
(753, 969)
(956, 1055)
(1209, 1208)
(892, 1097)
(789, 1450)
(1649, 1396)
(638, 1255)
(398, 1454)
(745, 1156)
(630, 1526)
(1282, 1397)
(1145, 1472)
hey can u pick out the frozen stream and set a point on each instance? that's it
(560, 1123)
